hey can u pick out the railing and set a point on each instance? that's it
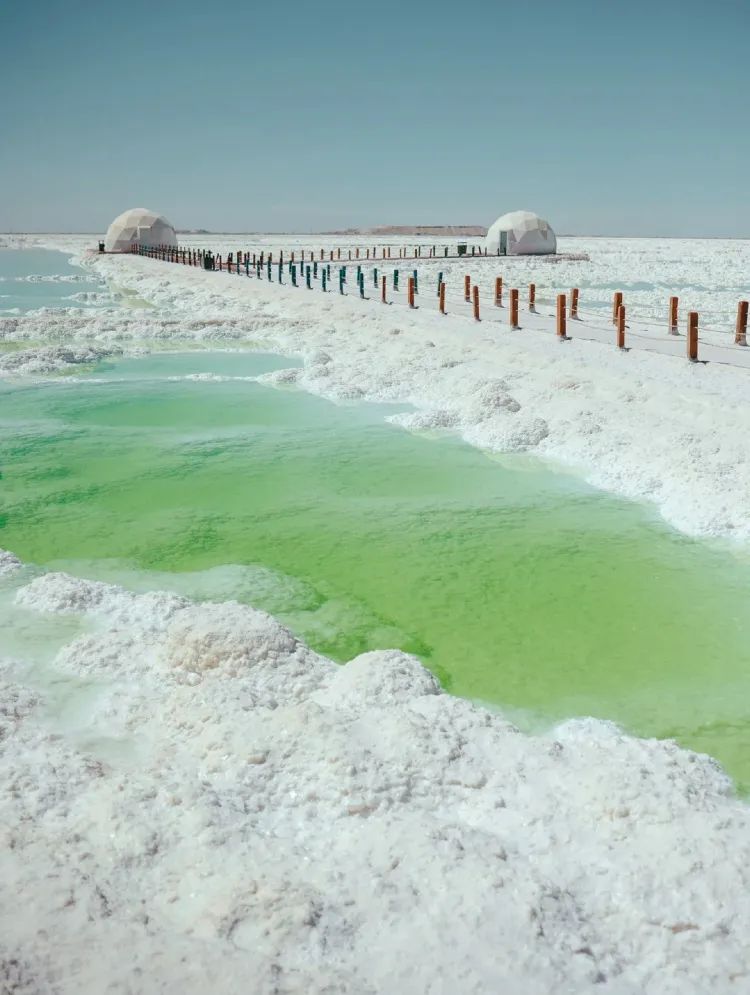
(566, 306)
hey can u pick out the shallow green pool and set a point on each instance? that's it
(517, 585)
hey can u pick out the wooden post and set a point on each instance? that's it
(532, 296)
(740, 330)
(498, 291)
(616, 302)
(382, 290)
(673, 302)
(442, 298)
(357, 251)
(692, 336)
(562, 328)
(621, 327)
(574, 302)
(467, 287)
(411, 291)
(514, 308)
(475, 293)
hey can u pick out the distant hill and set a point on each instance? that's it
(438, 230)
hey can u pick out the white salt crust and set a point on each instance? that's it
(273, 822)
(647, 426)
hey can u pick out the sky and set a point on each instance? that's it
(603, 117)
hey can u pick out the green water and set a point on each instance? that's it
(515, 584)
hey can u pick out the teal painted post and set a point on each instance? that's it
(440, 280)
(375, 277)
(416, 282)
(294, 275)
(307, 277)
(323, 274)
(361, 284)
(268, 268)
(315, 270)
(342, 278)
(281, 270)
(395, 279)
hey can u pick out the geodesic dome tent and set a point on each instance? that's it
(138, 227)
(521, 233)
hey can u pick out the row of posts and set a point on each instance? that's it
(262, 261)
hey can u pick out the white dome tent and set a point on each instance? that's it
(521, 233)
(138, 227)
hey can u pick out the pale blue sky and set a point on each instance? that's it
(605, 117)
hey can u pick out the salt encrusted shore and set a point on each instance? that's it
(229, 810)
(646, 426)
(235, 812)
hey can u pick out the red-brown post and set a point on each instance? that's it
(673, 302)
(532, 296)
(442, 298)
(357, 251)
(338, 253)
(498, 291)
(616, 302)
(740, 330)
(692, 336)
(514, 308)
(382, 290)
(411, 291)
(476, 302)
(621, 327)
(562, 328)
(467, 287)
(574, 302)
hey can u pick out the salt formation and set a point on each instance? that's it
(521, 233)
(138, 227)
(234, 812)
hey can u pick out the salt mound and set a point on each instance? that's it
(229, 636)
(341, 829)
(8, 563)
(379, 679)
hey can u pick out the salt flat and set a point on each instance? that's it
(278, 822)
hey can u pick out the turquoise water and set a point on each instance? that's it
(517, 585)
(19, 294)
